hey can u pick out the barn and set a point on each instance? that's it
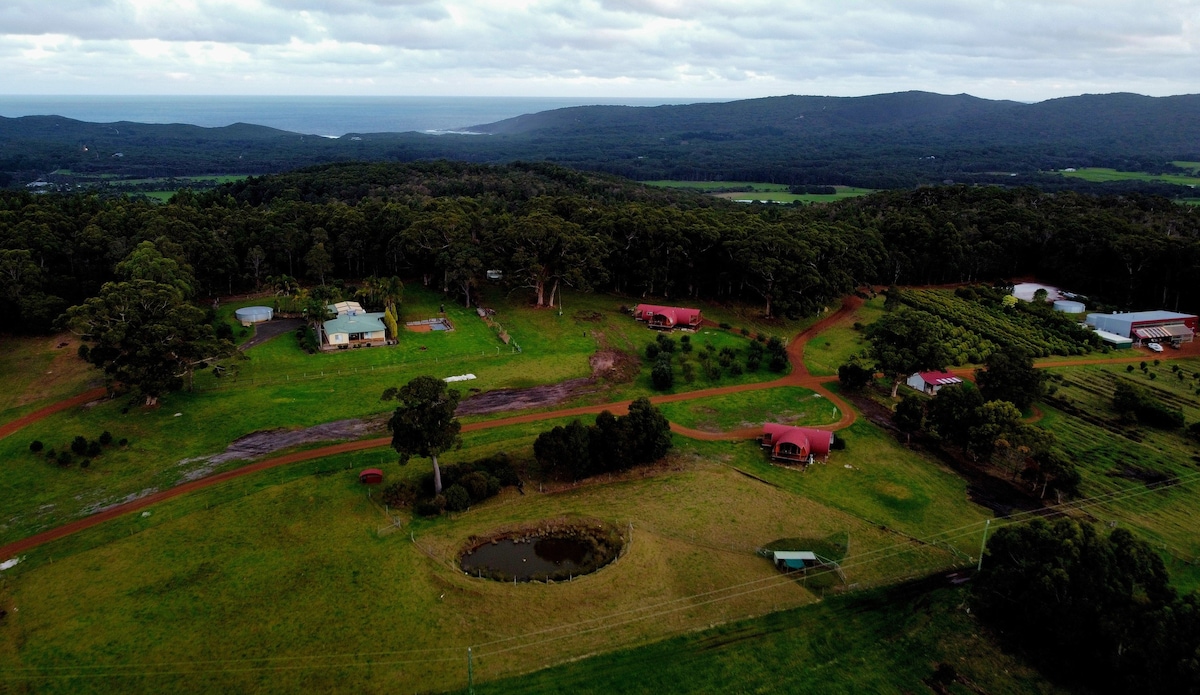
(932, 382)
(1148, 326)
(667, 317)
(796, 444)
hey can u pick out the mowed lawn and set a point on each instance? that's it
(837, 344)
(294, 580)
(791, 405)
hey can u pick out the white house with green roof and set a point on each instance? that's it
(353, 328)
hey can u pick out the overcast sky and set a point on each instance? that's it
(1027, 51)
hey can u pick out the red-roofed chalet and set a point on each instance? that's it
(796, 444)
(667, 316)
(932, 382)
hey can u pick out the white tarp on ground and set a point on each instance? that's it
(8, 564)
(460, 377)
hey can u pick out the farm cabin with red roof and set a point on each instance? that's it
(796, 444)
(932, 382)
(667, 317)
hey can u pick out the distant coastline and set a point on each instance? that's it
(325, 116)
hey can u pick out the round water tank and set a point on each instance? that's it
(1069, 307)
(253, 314)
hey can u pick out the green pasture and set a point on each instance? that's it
(790, 405)
(294, 580)
(835, 345)
(1101, 175)
(882, 641)
(752, 190)
(36, 372)
(1194, 166)
(1125, 464)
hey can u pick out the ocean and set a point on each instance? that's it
(327, 116)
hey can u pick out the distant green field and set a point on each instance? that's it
(1101, 175)
(773, 192)
(1194, 166)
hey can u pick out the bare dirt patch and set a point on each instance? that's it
(265, 442)
(501, 400)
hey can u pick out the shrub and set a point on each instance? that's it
(64, 458)
(51, 455)
(760, 337)
(123, 442)
(685, 345)
(476, 485)
(725, 325)
(79, 445)
(735, 369)
(36, 445)
(662, 375)
(745, 331)
(775, 346)
(652, 350)
(778, 363)
(399, 494)
(1129, 369)
(457, 498)
(94, 448)
(688, 370)
(666, 344)
(85, 463)
(431, 507)
(106, 437)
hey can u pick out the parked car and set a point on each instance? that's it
(1154, 346)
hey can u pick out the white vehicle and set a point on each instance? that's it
(1154, 346)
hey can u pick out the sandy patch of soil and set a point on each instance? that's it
(265, 442)
(610, 365)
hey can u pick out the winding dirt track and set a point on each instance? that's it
(798, 377)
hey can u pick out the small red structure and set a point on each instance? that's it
(667, 317)
(371, 476)
(796, 444)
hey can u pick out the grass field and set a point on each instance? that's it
(294, 580)
(790, 405)
(1100, 175)
(36, 372)
(774, 192)
(835, 345)
(883, 641)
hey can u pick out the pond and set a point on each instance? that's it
(559, 555)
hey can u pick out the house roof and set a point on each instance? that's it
(940, 378)
(676, 314)
(355, 323)
(807, 439)
(346, 308)
(1156, 315)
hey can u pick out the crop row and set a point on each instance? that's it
(998, 326)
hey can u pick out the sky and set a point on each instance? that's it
(715, 49)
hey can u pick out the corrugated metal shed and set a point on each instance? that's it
(794, 559)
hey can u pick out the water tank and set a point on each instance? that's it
(1068, 306)
(253, 314)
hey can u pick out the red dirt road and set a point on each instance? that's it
(85, 397)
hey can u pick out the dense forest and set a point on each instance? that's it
(546, 228)
(883, 141)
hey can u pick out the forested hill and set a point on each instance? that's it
(548, 228)
(885, 141)
(881, 141)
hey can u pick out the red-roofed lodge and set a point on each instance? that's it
(796, 444)
(667, 317)
(932, 382)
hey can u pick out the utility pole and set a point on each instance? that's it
(983, 543)
(470, 674)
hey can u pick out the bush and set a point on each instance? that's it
(85, 463)
(123, 442)
(735, 369)
(79, 445)
(106, 437)
(457, 498)
(746, 331)
(64, 458)
(725, 325)
(665, 343)
(431, 507)
(662, 375)
(51, 455)
(36, 445)
(399, 494)
(477, 486)
(94, 448)
(688, 370)
(652, 350)
(778, 363)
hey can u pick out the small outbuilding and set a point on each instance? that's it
(790, 560)
(667, 317)
(932, 382)
(371, 476)
(796, 444)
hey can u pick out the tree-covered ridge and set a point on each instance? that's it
(548, 228)
(882, 141)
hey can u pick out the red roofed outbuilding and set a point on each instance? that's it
(667, 316)
(796, 444)
(932, 382)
